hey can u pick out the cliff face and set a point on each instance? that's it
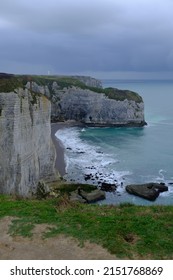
(26, 151)
(97, 109)
(77, 98)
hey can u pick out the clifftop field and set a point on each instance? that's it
(126, 231)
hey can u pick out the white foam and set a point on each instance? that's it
(81, 149)
(88, 158)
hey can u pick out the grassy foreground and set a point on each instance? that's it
(128, 231)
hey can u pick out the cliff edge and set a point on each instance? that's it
(26, 151)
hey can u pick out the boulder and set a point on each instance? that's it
(108, 187)
(160, 187)
(93, 196)
(148, 191)
(87, 177)
(74, 196)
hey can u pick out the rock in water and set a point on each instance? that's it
(148, 191)
(108, 187)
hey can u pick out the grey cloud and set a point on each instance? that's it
(92, 35)
(59, 16)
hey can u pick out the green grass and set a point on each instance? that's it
(10, 83)
(128, 231)
(114, 93)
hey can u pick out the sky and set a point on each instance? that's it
(101, 38)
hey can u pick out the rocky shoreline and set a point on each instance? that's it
(149, 191)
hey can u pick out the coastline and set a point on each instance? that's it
(60, 160)
(92, 173)
(60, 163)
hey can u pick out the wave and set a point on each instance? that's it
(84, 159)
(94, 162)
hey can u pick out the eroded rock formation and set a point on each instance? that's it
(93, 108)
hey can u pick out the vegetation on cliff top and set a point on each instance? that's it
(128, 231)
(9, 83)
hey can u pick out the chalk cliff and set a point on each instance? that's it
(26, 151)
(27, 103)
(97, 107)
(76, 98)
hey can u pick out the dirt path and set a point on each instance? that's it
(37, 248)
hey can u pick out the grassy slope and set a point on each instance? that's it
(9, 83)
(129, 231)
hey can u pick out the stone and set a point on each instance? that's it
(87, 177)
(160, 187)
(148, 191)
(107, 187)
(74, 196)
(93, 196)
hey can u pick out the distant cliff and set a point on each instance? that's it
(95, 106)
(26, 151)
(111, 107)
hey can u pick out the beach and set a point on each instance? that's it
(60, 161)
(60, 164)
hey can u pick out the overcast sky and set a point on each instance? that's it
(103, 38)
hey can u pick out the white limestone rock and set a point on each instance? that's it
(94, 108)
(26, 150)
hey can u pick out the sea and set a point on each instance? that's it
(126, 155)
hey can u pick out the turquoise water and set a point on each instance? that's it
(128, 155)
